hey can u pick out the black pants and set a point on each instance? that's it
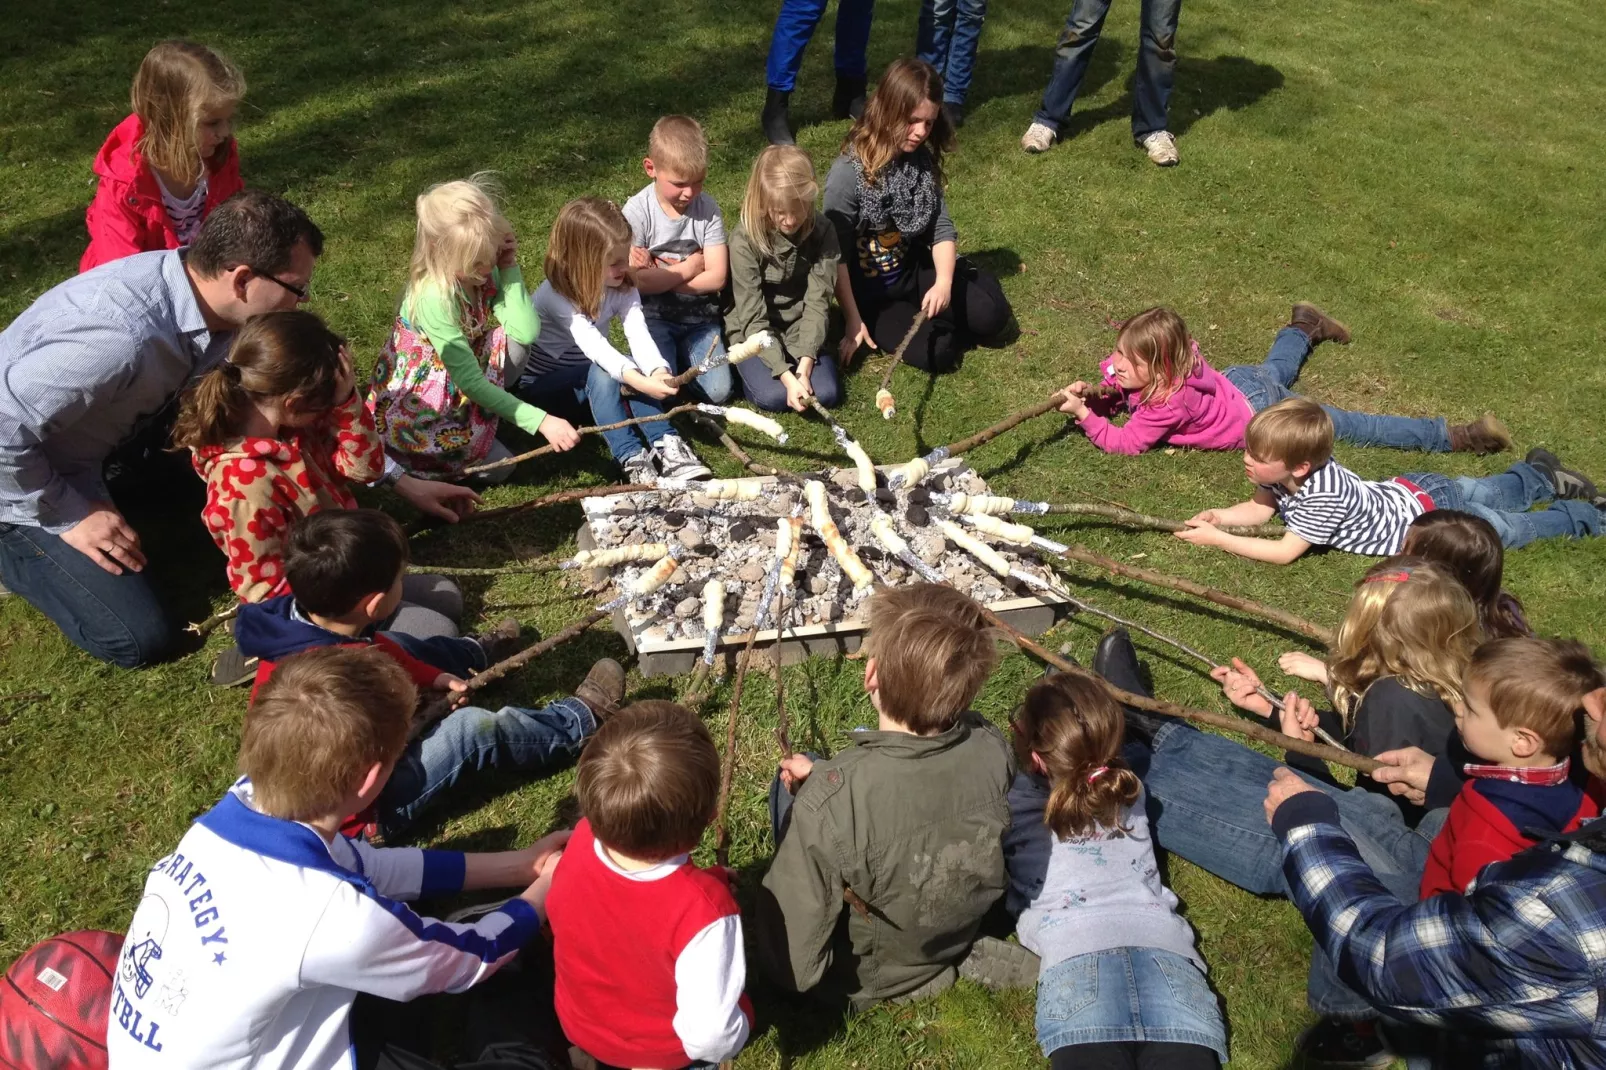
(506, 1023)
(977, 313)
(1134, 1055)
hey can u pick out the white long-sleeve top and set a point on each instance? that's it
(568, 335)
(255, 936)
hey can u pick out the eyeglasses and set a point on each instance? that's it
(300, 292)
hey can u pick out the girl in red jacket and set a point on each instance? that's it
(165, 167)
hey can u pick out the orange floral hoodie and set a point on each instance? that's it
(256, 488)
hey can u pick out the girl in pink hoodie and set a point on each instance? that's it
(1174, 397)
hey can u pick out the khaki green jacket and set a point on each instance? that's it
(788, 293)
(913, 826)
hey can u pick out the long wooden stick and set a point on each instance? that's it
(1132, 519)
(440, 707)
(987, 435)
(742, 456)
(505, 570)
(1293, 623)
(549, 448)
(1171, 709)
(727, 772)
(204, 628)
(883, 395)
(559, 498)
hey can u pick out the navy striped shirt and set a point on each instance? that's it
(1335, 507)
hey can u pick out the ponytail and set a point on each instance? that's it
(1083, 801)
(1074, 727)
(212, 409)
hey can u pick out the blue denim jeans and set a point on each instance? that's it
(588, 383)
(949, 33)
(1157, 63)
(1503, 500)
(686, 344)
(766, 392)
(114, 618)
(474, 740)
(794, 26)
(1127, 994)
(1267, 383)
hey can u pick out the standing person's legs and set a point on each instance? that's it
(114, 618)
(1157, 66)
(961, 60)
(1075, 49)
(853, 18)
(794, 26)
(934, 33)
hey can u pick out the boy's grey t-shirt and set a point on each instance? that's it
(671, 241)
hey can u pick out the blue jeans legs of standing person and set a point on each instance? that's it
(474, 740)
(950, 32)
(588, 383)
(794, 26)
(686, 344)
(1157, 63)
(1503, 500)
(1268, 382)
(766, 392)
(114, 618)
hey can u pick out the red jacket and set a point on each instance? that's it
(1477, 832)
(127, 215)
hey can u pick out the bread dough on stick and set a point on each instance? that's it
(820, 515)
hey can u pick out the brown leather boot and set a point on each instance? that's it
(503, 641)
(1318, 326)
(602, 688)
(1486, 434)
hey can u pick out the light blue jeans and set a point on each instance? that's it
(1268, 382)
(686, 344)
(583, 381)
(1503, 500)
(1157, 63)
(1128, 994)
(949, 34)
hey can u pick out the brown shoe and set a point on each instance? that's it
(603, 688)
(504, 640)
(1318, 326)
(1486, 434)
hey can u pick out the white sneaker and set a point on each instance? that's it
(1038, 138)
(639, 467)
(677, 460)
(1161, 147)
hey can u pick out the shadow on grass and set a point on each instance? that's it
(1203, 87)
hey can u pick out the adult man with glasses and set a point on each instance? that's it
(89, 376)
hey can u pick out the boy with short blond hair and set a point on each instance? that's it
(904, 825)
(648, 947)
(1288, 450)
(1520, 719)
(679, 255)
(266, 927)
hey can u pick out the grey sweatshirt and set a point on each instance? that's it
(1087, 894)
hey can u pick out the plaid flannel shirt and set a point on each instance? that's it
(1512, 971)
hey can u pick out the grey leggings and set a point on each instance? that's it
(430, 606)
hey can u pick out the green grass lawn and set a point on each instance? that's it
(1428, 170)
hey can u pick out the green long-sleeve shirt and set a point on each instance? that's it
(788, 293)
(437, 315)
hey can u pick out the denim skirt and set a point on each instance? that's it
(1128, 993)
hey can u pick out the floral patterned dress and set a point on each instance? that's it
(424, 421)
(257, 488)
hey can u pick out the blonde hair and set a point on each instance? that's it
(459, 228)
(586, 234)
(1411, 619)
(1158, 337)
(176, 82)
(783, 178)
(1073, 725)
(1293, 432)
(677, 144)
(290, 356)
(319, 722)
(933, 651)
(876, 139)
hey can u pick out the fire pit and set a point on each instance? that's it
(734, 541)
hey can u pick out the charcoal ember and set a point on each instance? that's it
(869, 554)
(917, 516)
(919, 495)
(742, 531)
(673, 521)
(885, 496)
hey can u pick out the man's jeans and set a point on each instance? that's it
(587, 383)
(474, 740)
(1503, 501)
(684, 345)
(950, 32)
(1207, 804)
(795, 25)
(1157, 63)
(114, 618)
(1267, 383)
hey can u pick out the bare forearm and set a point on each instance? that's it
(1245, 514)
(944, 258)
(1272, 551)
(657, 280)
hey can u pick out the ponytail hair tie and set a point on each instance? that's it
(1095, 774)
(231, 371)
(1399, 576)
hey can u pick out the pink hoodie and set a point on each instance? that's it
(1207, 413)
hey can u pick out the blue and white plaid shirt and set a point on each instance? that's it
(1513, 970)
(81, 369)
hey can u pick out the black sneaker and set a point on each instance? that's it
(1330, 1043)
(233, 669)
(1567, 483)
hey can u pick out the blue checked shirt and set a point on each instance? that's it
(1513, 970)
(81, 369)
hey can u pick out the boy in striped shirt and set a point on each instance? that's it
(1288, 455)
